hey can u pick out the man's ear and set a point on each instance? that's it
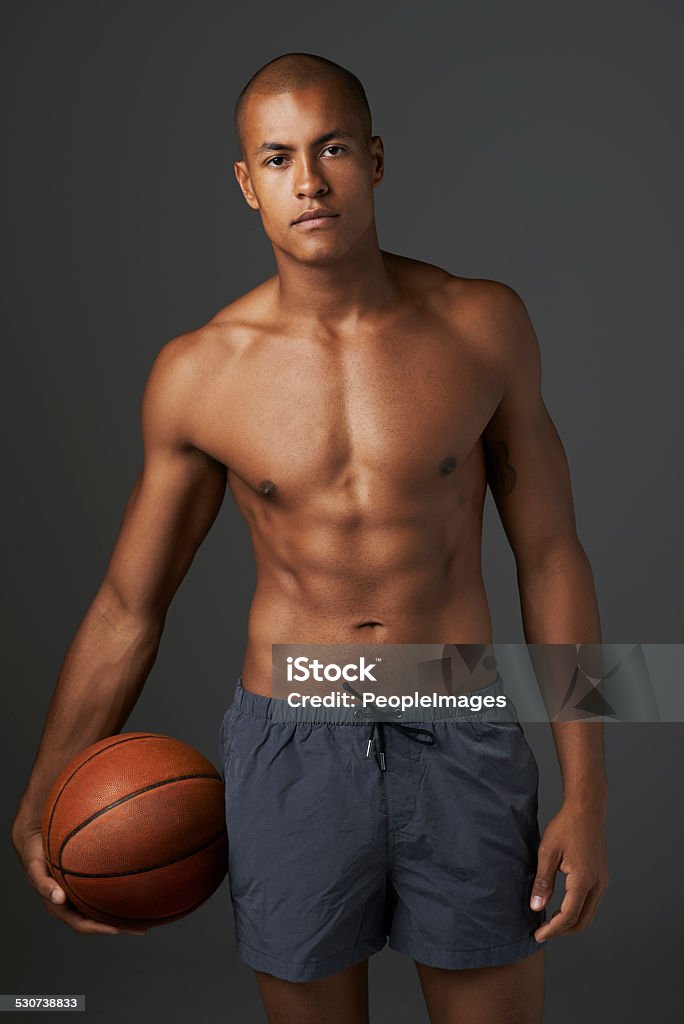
(378, 157)
(245, 183)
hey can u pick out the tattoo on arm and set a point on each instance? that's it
(500, 474)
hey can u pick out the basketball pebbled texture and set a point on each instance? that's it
(134, 830)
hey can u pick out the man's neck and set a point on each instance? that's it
(337, 296)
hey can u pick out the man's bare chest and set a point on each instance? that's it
(294, 416)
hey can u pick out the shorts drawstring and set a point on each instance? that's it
(414, 732)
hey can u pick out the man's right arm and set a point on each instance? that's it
(172, 506)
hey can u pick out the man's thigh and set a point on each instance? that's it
(503, 994)
(341, 998)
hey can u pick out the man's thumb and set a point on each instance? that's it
(542, 888)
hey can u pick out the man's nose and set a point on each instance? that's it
(309, 181)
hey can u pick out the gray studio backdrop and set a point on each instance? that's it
(532, 143)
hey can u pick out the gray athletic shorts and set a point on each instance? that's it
(331, 854)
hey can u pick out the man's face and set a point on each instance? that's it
(306, 150)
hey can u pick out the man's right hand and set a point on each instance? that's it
(29, 847)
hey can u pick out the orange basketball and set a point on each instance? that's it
(134, 830)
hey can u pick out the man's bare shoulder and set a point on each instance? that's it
(478, 298)
(190, 365)
(171, 389)
(192, 355)
(180, 364)
(416, 276)
(490, 315)
(239, 319)
(468, 298)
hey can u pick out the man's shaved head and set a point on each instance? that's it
(292, 71)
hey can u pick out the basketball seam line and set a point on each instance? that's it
(142, 871)
(129, 917)
(123, 799)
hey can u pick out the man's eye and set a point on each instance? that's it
(271, 163)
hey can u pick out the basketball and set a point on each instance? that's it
(134, 830)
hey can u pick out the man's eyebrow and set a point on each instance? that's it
(336, 133)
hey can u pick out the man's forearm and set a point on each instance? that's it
(559, 606)
(100, 680)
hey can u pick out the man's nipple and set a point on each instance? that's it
(448, 465)
(268, 489)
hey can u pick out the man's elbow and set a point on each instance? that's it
(110, 609)
(560, 556)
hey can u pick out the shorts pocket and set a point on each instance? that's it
(226, 735)
(524, 739)
(513, 728)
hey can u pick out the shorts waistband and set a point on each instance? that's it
(278, 710)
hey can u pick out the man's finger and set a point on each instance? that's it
(567, 916)
(86, 925)
(545, 879)
(42, 881)
(588, 910)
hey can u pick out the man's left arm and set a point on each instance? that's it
(529, 478)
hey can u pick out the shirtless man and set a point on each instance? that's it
(357, 404)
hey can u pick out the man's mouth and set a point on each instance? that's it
(315, 217)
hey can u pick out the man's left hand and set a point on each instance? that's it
(573, 842)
